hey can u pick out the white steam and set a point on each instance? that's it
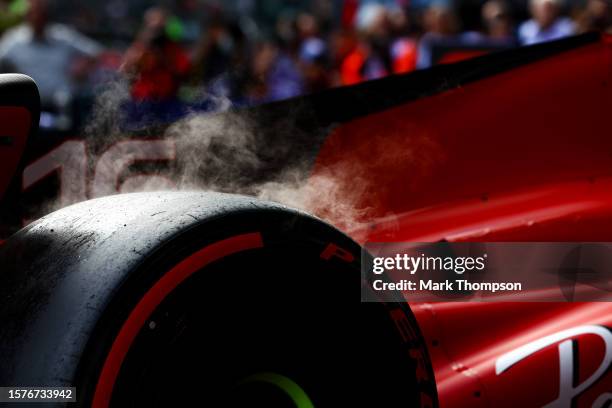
(230, 152)
(225, 153)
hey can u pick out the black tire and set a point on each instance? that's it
(168, 299)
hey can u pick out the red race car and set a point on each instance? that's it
(175, 298)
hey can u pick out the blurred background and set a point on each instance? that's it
(163, 59)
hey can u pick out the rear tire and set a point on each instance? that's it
(173, 299)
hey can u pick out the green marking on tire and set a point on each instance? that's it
(290, 387)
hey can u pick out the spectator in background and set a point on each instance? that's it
(497, 20)
(313, 54)
(441, 24)
(546, 24)
(307, 27)
(274, 75)
(155, 64)
(341, 44)
(223, 65)
(275, 69)
(314, 61)
(403, 46)
(597, 16)
(220, 57)
(56, 56)
(370, 57)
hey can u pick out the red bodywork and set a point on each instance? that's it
(524, 155)
(15, 129)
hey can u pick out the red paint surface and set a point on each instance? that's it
(542, 123)
(16, 124)
(524, 155)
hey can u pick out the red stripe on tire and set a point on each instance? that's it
(154, 297)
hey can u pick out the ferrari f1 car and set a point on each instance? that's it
(215, 299)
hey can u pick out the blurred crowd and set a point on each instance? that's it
(177, 56)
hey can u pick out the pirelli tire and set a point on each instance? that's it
(185, 299)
